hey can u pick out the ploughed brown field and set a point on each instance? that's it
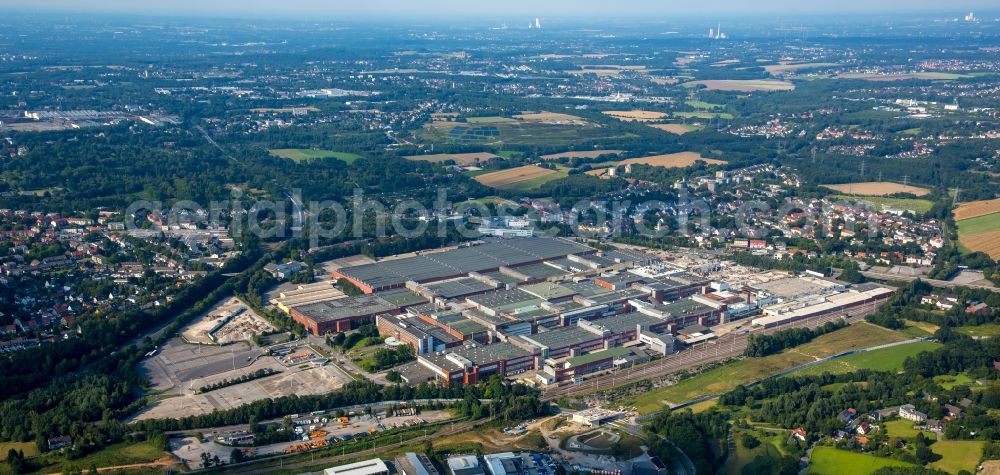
(877, 188)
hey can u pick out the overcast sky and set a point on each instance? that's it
(499, 8)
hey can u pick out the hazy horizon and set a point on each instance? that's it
(510, 9)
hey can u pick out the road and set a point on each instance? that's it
(728, 346)
(934, 282)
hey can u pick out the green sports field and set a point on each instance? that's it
(301, 155)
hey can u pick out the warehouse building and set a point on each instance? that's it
(367, 467)
(341, 314)
(474, 363)
(459, 262)
(857, 298)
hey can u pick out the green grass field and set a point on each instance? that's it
(704, 105)
(916, 205)
(957, 455)
(948, 382)
(831, 461)
(521, 133)
(534, 183)
(114, 455)
(886, 359)
(904, 428)
(979, 224)
(770, 447)
(704, 115)
(30, 449)
(302, 155)
(727, 377)
(985, 330)
(489, 120)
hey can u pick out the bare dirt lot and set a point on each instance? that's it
(636, 115)
(741, 85)
(241, 327)
(459, 158)
(974, 209)
(673, 160)
(877, 188)
(577, 154)
(514, 175)
(180, 397)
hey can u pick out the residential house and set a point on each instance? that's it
(910, 413)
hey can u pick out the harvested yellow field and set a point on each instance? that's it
(877, 188)
(586, 154)
(743, 85)
(974, 209)
(509, 177)
(673, 160)
(459, 158)
(988, 243)
(677, 129)
(636, 115)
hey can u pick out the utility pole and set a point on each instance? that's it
(954, 200)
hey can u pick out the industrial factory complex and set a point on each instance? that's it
(557, 308)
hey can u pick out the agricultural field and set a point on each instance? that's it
(703, 115)
(915, 205)
(636, 115)
(581, 154)
(550, 117)
(957, 455)
(886, 359)
(981, 233)
(727, 377)
(831, 461)
(489, 120)
(513, 132)
(877, 188)
(901, 77)
(673, 160)
(459, 158)
(302, 155)
(783, 68)
(704, 105)
(743, 85)
(974, 209)
(676, 129)
(520, 178)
